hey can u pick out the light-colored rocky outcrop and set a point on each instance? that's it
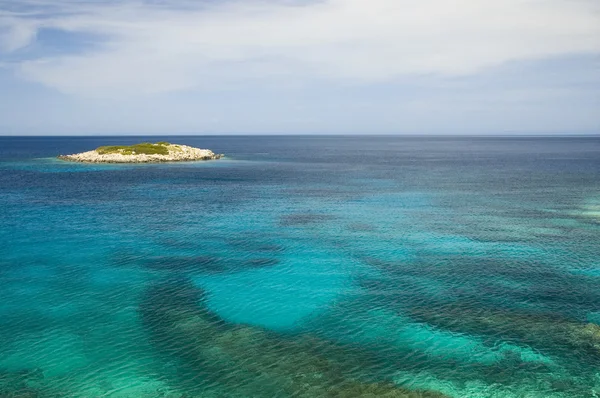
(176, 153)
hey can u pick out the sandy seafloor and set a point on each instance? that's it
(302, 266)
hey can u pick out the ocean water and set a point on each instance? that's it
(302, 267)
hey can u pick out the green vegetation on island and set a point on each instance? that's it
(144, 148)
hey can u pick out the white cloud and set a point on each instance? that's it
(15, 33)
(152, 49)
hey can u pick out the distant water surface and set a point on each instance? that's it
(302, 267)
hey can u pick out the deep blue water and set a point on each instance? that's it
(301, 267)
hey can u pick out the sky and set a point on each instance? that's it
(80, 67)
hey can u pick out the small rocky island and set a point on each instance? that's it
(145, 152)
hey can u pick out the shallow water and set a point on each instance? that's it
(303, 266)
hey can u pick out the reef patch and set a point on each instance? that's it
(251, 361)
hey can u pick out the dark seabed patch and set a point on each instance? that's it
(205, 264)
(552, 334)
(25, 383)
(249, 361)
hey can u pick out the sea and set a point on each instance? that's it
(302, 266)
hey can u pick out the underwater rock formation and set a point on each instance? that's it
(536, 329)
(206, 264)
(249, 361)
(21, 384)
(587, 335)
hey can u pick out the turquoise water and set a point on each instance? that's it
(303, 267)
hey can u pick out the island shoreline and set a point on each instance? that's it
(161, 152)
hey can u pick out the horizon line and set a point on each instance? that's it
(421, 135)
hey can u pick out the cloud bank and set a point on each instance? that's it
(140, 48)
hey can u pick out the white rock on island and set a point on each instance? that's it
(143, 153)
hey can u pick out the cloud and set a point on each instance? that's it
(149, 48)
(15, 33)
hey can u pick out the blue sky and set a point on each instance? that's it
(294, 67)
